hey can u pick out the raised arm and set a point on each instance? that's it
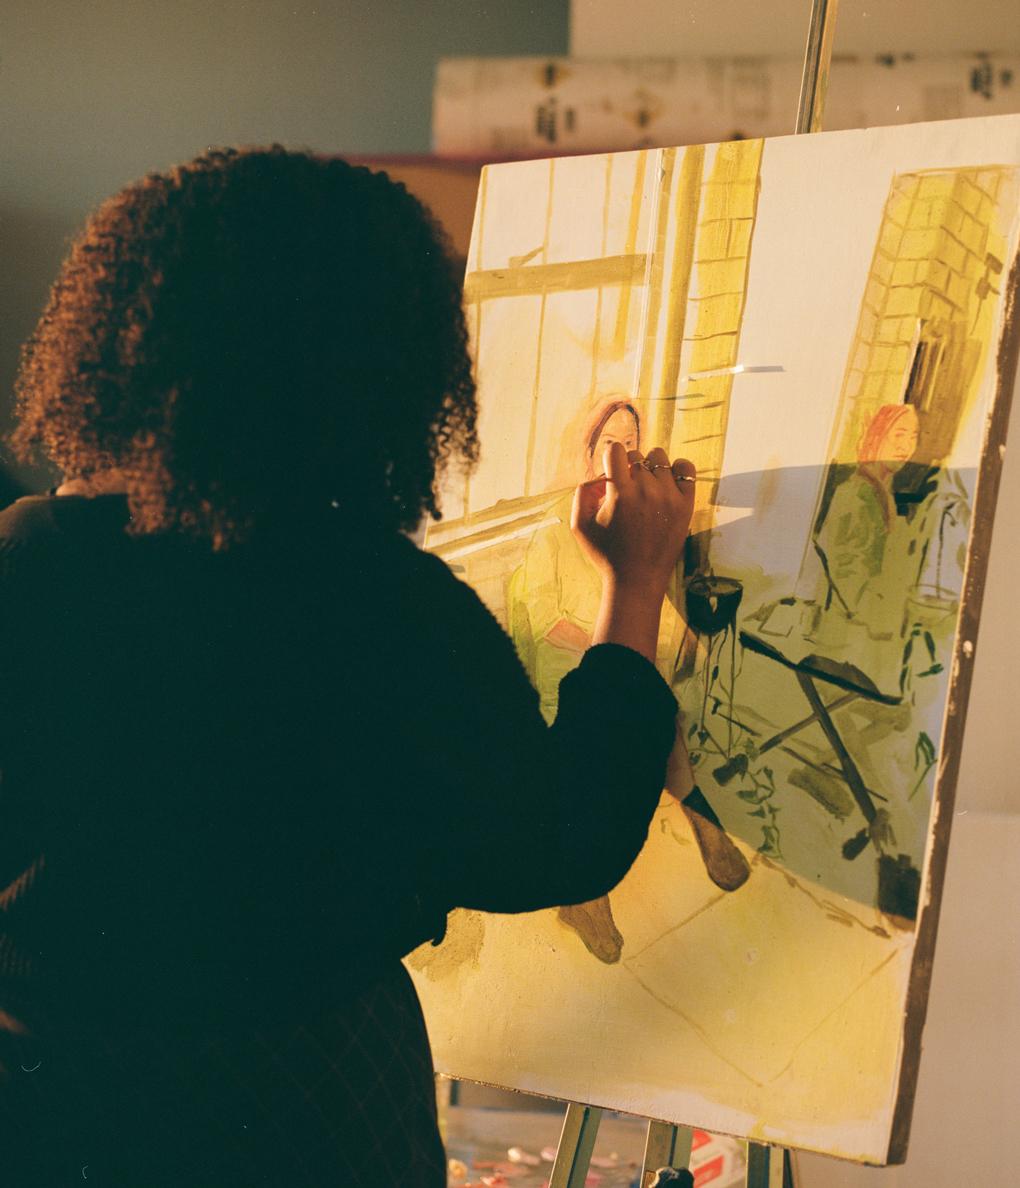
(633, 524)
(538, 815)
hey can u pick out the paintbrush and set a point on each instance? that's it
(737, 369)
(715, 373)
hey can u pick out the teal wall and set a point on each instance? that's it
(94, 93)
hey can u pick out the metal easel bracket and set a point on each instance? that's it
(814, 84)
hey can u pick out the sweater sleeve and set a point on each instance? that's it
(540, 815)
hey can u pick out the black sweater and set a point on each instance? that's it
(240, 783)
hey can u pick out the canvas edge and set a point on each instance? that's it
(986, 495)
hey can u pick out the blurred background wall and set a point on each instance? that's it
(778, 27)
(96, 93)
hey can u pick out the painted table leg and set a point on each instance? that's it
(850, 772)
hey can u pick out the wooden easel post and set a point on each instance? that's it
(667, 1145)
(814, 84)
(577, 1141)
(766, 1167)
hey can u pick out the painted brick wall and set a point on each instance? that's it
(729, 200)
(925, 324)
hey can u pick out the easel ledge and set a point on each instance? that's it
(668, 1146)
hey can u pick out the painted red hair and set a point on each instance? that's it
(879, 427)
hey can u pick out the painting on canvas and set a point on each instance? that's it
(820, 324)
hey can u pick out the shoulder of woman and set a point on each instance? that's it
(28, 518)
(456, 612)
(439, 579)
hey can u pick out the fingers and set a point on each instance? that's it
(657, 465)
(679, 474)
(616, 462)
(633, 521)
(587, 499)
(684, 473)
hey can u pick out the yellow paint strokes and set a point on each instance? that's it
(597, 333)
(927, 312)
(685, 217)
(554, 278)
(710, 902)
(483, 194)
(459, 953)
(535, 389)
(720, 278)
(722, 253)
(718, 314)
(759, 944)
(527, 257)
(633, 222)
(861, 983)
(483, 538)
(655, 277)
(505, 511)
(702, 1033)
(715, 354)
(536, 385)
(476, 344)
(729, 195)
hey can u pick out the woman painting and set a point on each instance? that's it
(554, 596)
(225, 815)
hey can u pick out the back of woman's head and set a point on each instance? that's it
(250, 337)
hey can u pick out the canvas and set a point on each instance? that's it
(822, 324)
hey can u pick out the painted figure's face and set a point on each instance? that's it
(620, 427)
(899, 443)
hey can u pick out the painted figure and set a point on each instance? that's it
(860, 526)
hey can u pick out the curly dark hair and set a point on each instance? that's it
(248, 336)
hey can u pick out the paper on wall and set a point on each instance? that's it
(520, 107)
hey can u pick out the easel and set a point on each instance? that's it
(669, 1146)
